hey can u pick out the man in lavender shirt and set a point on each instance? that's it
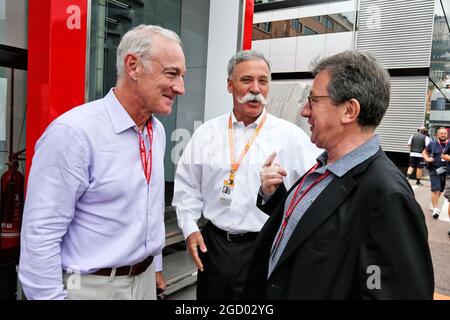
(93, 217)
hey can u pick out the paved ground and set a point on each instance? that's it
(437, 237)
(187, 293)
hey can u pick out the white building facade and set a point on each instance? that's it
(400, 33)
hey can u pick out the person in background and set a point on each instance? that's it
(93, 224)
(446, 157)
(437, 168)
(350, 228)
(218, 176)
(417, 142)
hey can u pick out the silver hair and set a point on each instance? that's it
(139, 41)
(360, 76)
(245, 55)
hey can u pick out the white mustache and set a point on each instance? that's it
(252, 97)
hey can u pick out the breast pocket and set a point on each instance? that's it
(329, 246)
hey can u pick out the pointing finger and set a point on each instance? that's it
(270, 159)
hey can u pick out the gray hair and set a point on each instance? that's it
(358, 75)
(140, 40)
(245, 55)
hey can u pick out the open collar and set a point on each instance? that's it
(120, 118)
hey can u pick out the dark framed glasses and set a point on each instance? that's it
(315, 99)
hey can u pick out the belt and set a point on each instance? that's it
(133, 270)
(234, 237)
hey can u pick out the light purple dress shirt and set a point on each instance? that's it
(88, 204)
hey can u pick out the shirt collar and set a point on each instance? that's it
(254, 124)
(120, 118)
(351, 159)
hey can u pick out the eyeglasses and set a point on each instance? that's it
(315, 99)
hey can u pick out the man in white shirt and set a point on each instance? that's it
(218, 176)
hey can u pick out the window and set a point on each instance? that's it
(296, 25)
(339, 22)
(265, 26)
(308, 31)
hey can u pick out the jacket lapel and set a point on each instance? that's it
(325, 204)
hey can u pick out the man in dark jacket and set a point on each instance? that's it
(350, 228)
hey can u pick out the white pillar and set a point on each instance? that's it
(224, 22)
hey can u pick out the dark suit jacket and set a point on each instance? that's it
(366, 219)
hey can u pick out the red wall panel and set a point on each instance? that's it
(248, 24)
(56, 63)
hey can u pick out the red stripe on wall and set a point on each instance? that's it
(56, 63)
(248, 24)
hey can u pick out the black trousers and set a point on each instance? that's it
(225, 264)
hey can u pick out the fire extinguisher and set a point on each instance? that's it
(12, 194)
(12, 191)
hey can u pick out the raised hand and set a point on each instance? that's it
(271, 175)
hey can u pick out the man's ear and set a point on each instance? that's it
(230, 86)
(352, 108)
(133, 66)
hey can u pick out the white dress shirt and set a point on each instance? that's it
(205, 164)
(88, 204)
